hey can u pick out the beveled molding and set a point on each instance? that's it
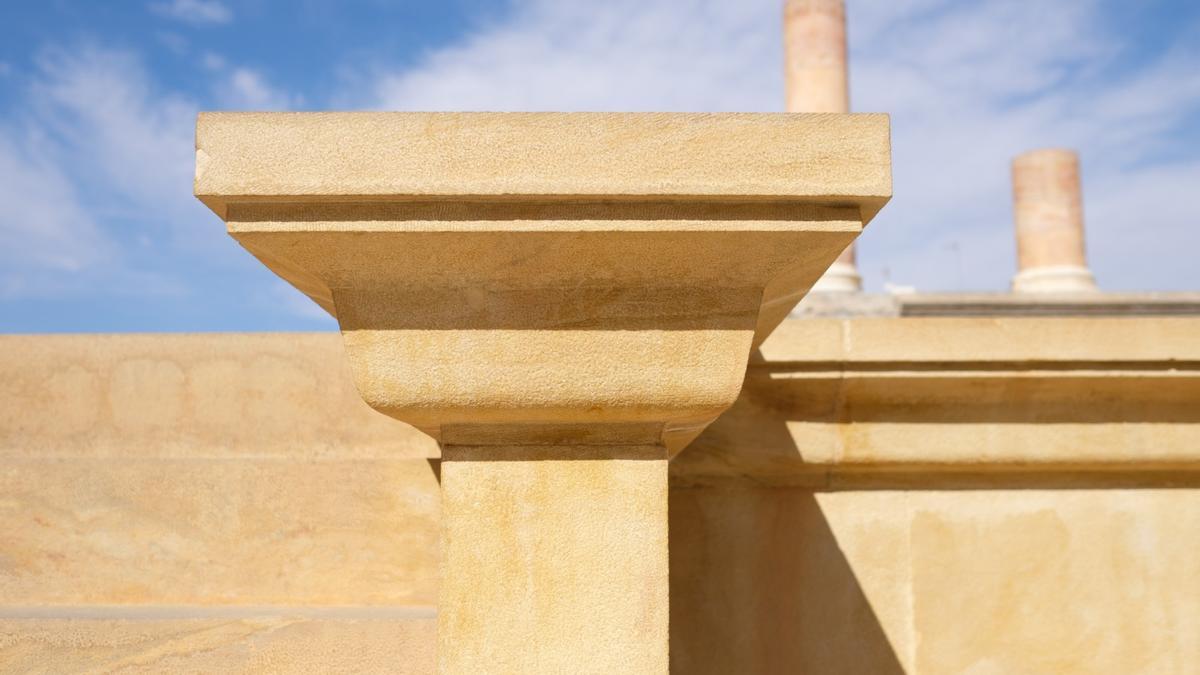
(547, 277)
(967, 402)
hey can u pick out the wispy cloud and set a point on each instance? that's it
(969, 85)
(616, 55)
(248, 89)
(97, 164)
(96, 153)
(43, 226)
(194, 11)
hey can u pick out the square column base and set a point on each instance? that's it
(554, 560)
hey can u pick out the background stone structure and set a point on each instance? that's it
(889, 495)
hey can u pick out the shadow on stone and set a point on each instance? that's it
(759, 584)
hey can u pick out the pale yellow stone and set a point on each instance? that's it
(589, 285)
(250, 157)
(554, 560)
(466, 256)
(830, 398)
(179, 640)
(1056, 581)
(1052, 580)
(234, 531)
(214, 396)
(788, 581)
(1026, 549)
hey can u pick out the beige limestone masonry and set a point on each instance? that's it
(1048, 208)
(1084, 565)
(815, 79)
(584, 285)
(252, 643)
(935, 582)
(647, 250)
(831, 400)
(284, 395)
(560, 550)
(233, 531)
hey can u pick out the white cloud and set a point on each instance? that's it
(615, 55)
(969, 85)
(130, 144)
(97, 164)
(42, 226)
(248, 89)
(212, 61)
(194, 11)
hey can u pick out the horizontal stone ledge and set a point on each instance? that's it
(186, 612)
(531, 213)
(213, 395)
(983, 340)
(949, 476)
(991, 369)
(281, 156)
(1049, 304)
(220, 644)
(229, 532)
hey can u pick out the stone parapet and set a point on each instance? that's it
(849, 402)
(1066, 531)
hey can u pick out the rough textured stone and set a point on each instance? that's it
(458, 250)
(832, 400)
(283, 395)
(630, 156)
(1002, 580)
(554, 560)
(197, 531)
(179, 640)
(1071, 565)
(588, 285)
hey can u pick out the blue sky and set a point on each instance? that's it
(99, 231)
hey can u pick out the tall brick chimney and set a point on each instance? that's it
(1048, 210)
(815, 73)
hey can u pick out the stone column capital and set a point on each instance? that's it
(543, 277)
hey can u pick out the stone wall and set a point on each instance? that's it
(888, 496)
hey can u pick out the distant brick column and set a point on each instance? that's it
(816, 82)
(1049, 224)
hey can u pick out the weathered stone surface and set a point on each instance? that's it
(1060, 566)
(1066, 582)
(284, 395)
(1124, 305)
(252, 157)
(1051, 580)
(180, 640)
(831, 400)
(554, 560)
(587, 273)
(198, 531)
(585, 285)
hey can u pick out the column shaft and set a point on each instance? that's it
(1048, 209)
(816, 81)
(554, 560)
